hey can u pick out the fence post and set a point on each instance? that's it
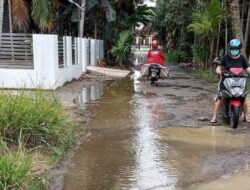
(84, 54)
(93, 52)
(45, 60)
(79, 51)
(68, 51)
(101, 50)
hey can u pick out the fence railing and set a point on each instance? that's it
(16, 51)
(61, 51)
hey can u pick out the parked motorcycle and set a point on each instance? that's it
(234, 95)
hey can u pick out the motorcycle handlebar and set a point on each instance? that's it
(229, 74)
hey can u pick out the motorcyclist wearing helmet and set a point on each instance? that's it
(232, 59)
(155, 55)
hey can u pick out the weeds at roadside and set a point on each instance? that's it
(31, 121)
(206, 75)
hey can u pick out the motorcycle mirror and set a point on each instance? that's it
(216, 62)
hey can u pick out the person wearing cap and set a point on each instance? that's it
(233, 59)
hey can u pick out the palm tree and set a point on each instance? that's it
(42, 13)
(238, 24)
(205, 24)
(236, 21)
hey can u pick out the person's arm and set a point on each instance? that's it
(248, 70)
(246, 65)
(148, 55)
(219, 70)
(220, 66)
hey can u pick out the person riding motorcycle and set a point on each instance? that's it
(233, 59)
(155, 55)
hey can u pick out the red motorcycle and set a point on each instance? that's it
(234, 95)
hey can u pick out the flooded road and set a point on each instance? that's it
(152, 139)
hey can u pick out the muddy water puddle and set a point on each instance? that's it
(135, 141)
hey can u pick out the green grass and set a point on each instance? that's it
(31, 120)
(38, 116)
(15, 171)
(206, 75)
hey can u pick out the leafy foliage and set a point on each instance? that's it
(122, 50)
(198, 53)
(42, 14)
(142, 14)
(176, 55)
(20, 15)
(205, 23)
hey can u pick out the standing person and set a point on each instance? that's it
(233, 59)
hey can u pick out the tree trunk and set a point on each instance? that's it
(1, 15)
(10, 16)
(218, 36)
(247, 30)
(226, 30)
(81, 23)
(236, 23)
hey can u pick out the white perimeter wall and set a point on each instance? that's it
(46, 73)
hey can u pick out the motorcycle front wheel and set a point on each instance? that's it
(235, 115)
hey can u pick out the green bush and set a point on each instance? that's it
(198, 53)
(38, 116)
(176, 56)
(122, 50)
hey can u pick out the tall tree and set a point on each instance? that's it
(237, 26)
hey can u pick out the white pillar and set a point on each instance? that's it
(68, 51)
(79, 51)
(84, 54)
(45, 52)
(93, 52)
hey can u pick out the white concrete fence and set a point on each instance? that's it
(56, 60)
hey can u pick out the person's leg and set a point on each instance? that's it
(217, 107)
(245, 111)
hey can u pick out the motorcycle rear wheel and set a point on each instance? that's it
(235, 115)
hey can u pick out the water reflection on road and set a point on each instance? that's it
(89, 93)
(84, 95)
(150, 171)
(142, 141)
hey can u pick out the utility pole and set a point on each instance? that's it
(82, 18)
(82, 8)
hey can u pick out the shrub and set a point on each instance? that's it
(122, 50)
(38, 116)
(176, 55)
(198, 53)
